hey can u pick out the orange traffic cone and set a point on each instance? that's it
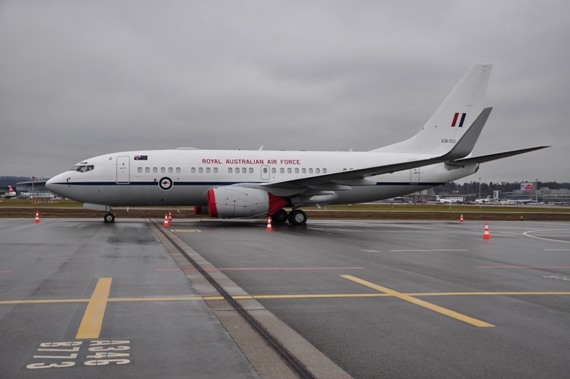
(269, 224)
(37, 220)
(169, 216)
(486, 234)
(166, 220)
(461, 218)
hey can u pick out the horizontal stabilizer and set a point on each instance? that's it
(494, 157)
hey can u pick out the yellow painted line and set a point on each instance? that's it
(141, 299)
(421, 303)
(289, 296)
(485, 293)
(209, 298)
(47, 301)
(92, 321)
(322, 296)
(186, 230)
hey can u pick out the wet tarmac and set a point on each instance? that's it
(79, 298)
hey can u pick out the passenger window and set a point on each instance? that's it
(170, 170)
(282, 170)
(304, 171)
(139, 170)
(273, 170)
(230, 170)
(265, 170)
(251, 170)
(243, 170)
(318, 170)
(163, 170)
(200, 170)
(147, 170)
(207, 170)
(215, 170)
(324, 170)
(193, 170)
(310, 171)
(237, 170)
(155, 170)
(178, 170)
(296, 170)
(289, 170)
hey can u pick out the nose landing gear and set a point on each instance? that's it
(109, 217)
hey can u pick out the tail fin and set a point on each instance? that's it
(453, 117)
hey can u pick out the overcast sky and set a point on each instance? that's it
(85, 78)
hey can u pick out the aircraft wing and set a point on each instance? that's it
(353, 177)
(339, 180)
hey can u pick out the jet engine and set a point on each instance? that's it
(236, 201)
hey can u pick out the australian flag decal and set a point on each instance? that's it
(455, 117)
(141, 157)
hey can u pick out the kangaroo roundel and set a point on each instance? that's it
(165, 183)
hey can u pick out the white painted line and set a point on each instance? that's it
(527, 234)
(430, 251)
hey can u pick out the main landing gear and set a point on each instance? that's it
(295, 217)
(109, 217)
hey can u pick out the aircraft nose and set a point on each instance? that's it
(55, 184)
(50, 183)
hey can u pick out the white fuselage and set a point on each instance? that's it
(183, 177)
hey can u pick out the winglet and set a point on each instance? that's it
(466, 143)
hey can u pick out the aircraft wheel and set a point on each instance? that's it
(297, 217)
(109, 217)
(279, 217)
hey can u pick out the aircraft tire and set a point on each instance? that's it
(109, 218)
(297, 217)
(279, 217)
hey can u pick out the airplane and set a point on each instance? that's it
(486, 200)
(11, 193)
(520, 201)
(449, 200)
(253, 183)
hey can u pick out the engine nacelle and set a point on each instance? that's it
(236, 201)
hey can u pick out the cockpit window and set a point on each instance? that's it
(83, 168)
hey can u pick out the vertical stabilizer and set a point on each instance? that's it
(453, 117)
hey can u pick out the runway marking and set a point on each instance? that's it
(263, 269)
(92, 321)
(545, 239)
(140, 299)
(520, 267)
(5, 271)
(429, 251)
(284, 296)
(186, 230)
(556, 249)
(421, 303)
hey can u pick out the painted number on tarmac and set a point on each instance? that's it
(72, 353)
